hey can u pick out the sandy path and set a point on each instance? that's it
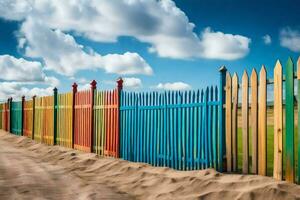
(29, 169)
(24, 176)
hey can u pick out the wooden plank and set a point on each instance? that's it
(298, 98)
(254, 117)
(262, 123)
(289, 113)
(277, 171)
(228, 123)
(235, 99)
(245, 123)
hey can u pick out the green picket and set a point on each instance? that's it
(289, 113)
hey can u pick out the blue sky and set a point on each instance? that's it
(156, 45)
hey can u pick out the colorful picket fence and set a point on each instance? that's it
(174, 129)
(28, 118)
(183, 130)
(1, 114)
(106, 122)
(64, 119)
(256, 121)
(6, 116)
(44, 120)
(16, 117)
(83, 119)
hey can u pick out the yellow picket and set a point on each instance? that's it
(228, 122)
(262, 123)
(245, 126)
(235, 98)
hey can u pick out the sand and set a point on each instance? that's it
(30, 170)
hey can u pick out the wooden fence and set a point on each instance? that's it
(64, 119)
(83, 119)
(16, 117)
(174, 129)
(1, 114)
(28, 118)
(106, 121)
(44, 120)
(6, 116)
(183, 130)
(255, 124)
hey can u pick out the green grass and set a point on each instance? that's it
(270, 149)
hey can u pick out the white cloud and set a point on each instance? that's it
(173, 86)
(159, 23)
(23, 71)
(217, 45)
(17, 90)
(15, 9)
(267, 39)
(290, 39)
(132, 83)
(62, 54)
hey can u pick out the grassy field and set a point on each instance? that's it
(270, 149)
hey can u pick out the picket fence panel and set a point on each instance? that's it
(6, 117)
(282, 169)
(83, 118)
(64, 109)
(28, 118)
(16, 117)
(1, 115)
(106, 123)
(44, 120)
(173, 129)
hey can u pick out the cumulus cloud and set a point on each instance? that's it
(159, 23)
(218, 45)
(17, 90)
(23, 71)
(290, 39)
(62, 54)
(267, 39)
(173, 86)
(132, 83)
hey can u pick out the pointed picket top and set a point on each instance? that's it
(278, 68)
(253, 74)
(235, 79)
(263, 71)
(289, 61)
(298, 68)
(245, 76)
(228, 80)
(228, 76)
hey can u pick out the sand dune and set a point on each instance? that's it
(31, 170)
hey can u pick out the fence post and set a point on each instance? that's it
(74, 86)
(22, 126)
(120, 87)
(33, 116)
(55, 115)
(221, 137)
(93, 87)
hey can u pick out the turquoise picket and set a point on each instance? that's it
(172, 129)
(16, 118)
